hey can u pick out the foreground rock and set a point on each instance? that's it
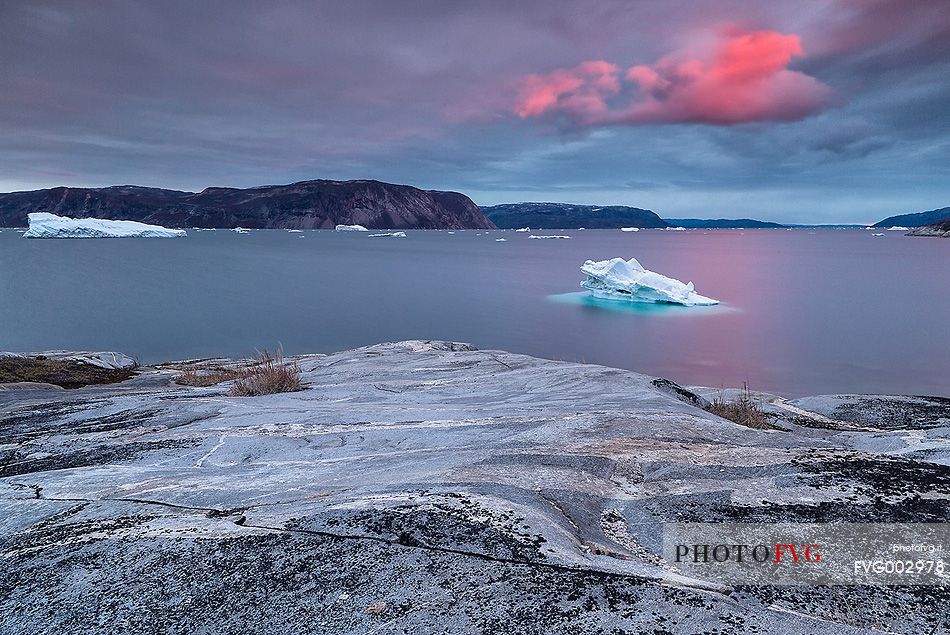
(63, 369)
(428, 487)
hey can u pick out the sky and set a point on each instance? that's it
(812, 111)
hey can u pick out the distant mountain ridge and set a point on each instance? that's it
(569, 216)
(918, 219)
(316, 204)
(722, 223)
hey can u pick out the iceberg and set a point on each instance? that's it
(629, 229)
(351, 228)
(389, 235)
(546, 237)
(501, 240)
(45, 225)
(523, 229)
(241, 230)
(898, 228)
(627, 280)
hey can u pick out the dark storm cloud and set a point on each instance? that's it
(190, 94)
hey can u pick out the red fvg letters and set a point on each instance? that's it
(780, 548)
(810, 553)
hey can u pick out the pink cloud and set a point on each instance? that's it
(581, 91)
(743, 77)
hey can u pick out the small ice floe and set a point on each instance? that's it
(294, 231)
(389, 235)
(898, 228)
(44, 225)
(501, 240)
(351, 228)
(451, 232)
(241, 230)
(523, 229)
(877, 234)
(675, 229)
(629, 229)
(627, 280)
(546, 237)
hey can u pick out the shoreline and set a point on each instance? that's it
(442, 488)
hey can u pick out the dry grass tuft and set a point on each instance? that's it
(376, 608)
(744, 410)
(204, 377)
(270, 375)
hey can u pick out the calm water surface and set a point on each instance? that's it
(804, 312)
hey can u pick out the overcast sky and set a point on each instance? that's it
(808, 111)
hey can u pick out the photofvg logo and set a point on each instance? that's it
(789, 553)
(784, 553)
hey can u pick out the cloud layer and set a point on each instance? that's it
(849, 99)
(743, 76)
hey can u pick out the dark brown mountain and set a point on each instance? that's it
(316, 204)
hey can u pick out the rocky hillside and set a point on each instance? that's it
(916, 220)
(304, 205)
(565, 216)
(428, 487)
(941, 229)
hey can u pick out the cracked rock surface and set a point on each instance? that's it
(428, 487)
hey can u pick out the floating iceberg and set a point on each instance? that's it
(619, 279)
(44, 225)
(629, 229)
(501, 240)
(294, 231)
(877, 234)
(389, 235)
(351, 228)
(898, 228)
(241, 230)
(675, 229)
(545, 237)
(523, 229)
